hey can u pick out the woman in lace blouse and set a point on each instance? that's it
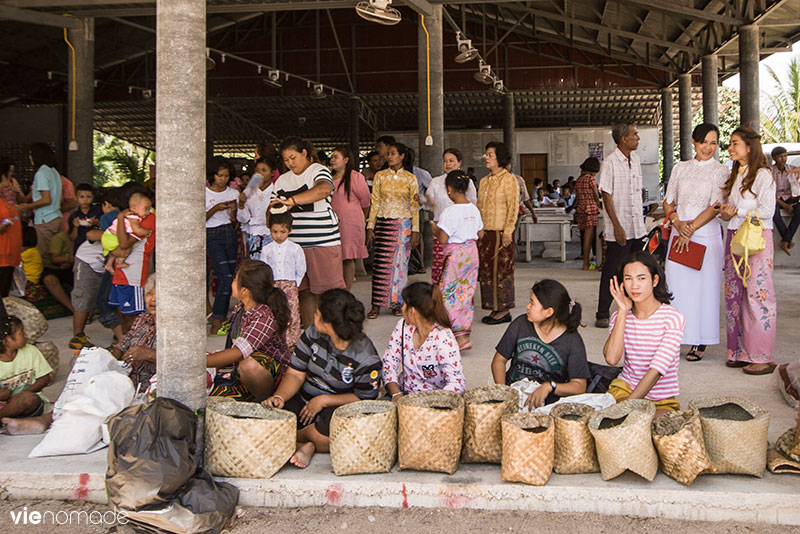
(694, 195)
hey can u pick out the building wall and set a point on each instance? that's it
(21, 126)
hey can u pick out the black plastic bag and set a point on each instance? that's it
(152, 474)
(602, 376)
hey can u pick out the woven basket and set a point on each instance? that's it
(483, 409)
(622, 437)
(50, 352)
(364, 437)
(33, 320)
(679, 441)
(781, 459)
(574, 450)
(528, 448)
(430, 424)
(735, 432)
(246, 440)
(795, 444)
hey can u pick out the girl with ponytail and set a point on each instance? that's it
(423, 344)
(544, 345)
(256, 354)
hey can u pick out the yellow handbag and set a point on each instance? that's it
(747, 241)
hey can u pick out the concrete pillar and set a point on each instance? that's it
(181, 242)
(355, 127)
(667, 133)
(685, 115)
(80, 158)
(748, 76)
(710, 89)
(509, 129)
(430, 156)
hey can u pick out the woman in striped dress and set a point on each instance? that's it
(393, 227)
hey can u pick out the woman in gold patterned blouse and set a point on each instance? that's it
(498, 202)
(393, 227)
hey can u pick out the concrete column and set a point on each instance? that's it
(667, 133)
(80, 160)
(430, 156)
(748, 76)
(685, 115)
(509, 129)
(355, 127)
(181, 242)
(710, 89)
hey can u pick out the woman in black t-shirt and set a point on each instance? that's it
(544, 345)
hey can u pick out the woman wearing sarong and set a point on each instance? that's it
(458, 229)
(752, 311)
(498, 202)
(694, 195)
(393, 228)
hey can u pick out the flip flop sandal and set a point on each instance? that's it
(397, 312)
(765, 371)
(695, 354)
(465, 346)
(373, 314)
(735, 363)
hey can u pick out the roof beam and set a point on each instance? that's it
(689, 12)
(35, 17)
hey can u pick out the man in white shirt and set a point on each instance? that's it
(786, 186)
(620, 184)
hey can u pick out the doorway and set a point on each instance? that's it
(533, 166)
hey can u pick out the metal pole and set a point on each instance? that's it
(80, 162)
(710, 89)
(355, 127)
(667, 133)
(180, 184)
(509, 129)
(748, 76)
(685, 115)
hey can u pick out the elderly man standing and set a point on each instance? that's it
(620, 184)
(787, 197)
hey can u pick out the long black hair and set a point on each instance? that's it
(344, 312)
(428, 301)
(42, 154)
(257, 277)
(215, 165)
(458, 180)
(403, 150)
(349, 167)
(660, 291)
(552, 294)
(9, 324)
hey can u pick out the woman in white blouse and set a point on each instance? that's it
(751, 312)
(253, 204)
(436, 200)
(694, 196)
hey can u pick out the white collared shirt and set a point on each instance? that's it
(622, 179)
(287, 260)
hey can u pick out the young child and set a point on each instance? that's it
(422, 354)
(139, 207)
(57, 273)
(24, 373)
(288, 262)
(31, 263)
(85, 217)
(111, 204)
(544, 345)
(459, 227)
(253, 204)
(647, 331)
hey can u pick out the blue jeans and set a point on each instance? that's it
(787, 233)
(107, 315)
(221, 249)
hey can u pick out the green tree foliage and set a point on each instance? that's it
(728, 101)
(116, 161)
(780, 121)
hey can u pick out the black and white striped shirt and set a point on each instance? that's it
(315, 225)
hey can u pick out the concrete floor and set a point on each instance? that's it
(773, 499)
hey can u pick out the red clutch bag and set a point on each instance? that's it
(691, 257)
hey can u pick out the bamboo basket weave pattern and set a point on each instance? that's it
(781, 459)
(735, 433)
(246, 440)
(679, 440)
(364, 437)
(527, 448)
(429, 437)
(574, 445)
(483, 409)
(622, 437)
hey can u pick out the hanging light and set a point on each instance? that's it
(466, 52)
(484, 74)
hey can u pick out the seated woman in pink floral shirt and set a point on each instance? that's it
(424, 345)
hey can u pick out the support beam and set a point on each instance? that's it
(748, 76)
(710, 89)
(36, 17)
(422, 7)
(355, 127)
(181, 243)
(430, 156)
(80, 162)
(687, 12)
(509, 130)
(667, 134)
(685, 115)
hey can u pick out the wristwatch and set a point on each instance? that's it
(553, 386)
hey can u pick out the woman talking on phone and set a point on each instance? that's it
(692, 203)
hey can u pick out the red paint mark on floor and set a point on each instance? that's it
(83, 490)
(333, 495)
(454, 501)
(405, 497)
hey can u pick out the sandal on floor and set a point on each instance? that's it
(397, 312)
(736, 363)
(373, 314)
(696, 353)
(765, 371)
(465, 346)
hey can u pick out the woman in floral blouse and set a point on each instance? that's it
(423, 344)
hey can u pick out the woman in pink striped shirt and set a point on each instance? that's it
(648, 332)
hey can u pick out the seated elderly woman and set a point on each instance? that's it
(138, 346)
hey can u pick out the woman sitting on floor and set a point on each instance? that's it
(334, 363)
(255, 355)
(647, 331)
(138, 346)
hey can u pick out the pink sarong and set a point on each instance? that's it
(459, 278)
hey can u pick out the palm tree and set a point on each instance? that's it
(116, 161)
(781, 122)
